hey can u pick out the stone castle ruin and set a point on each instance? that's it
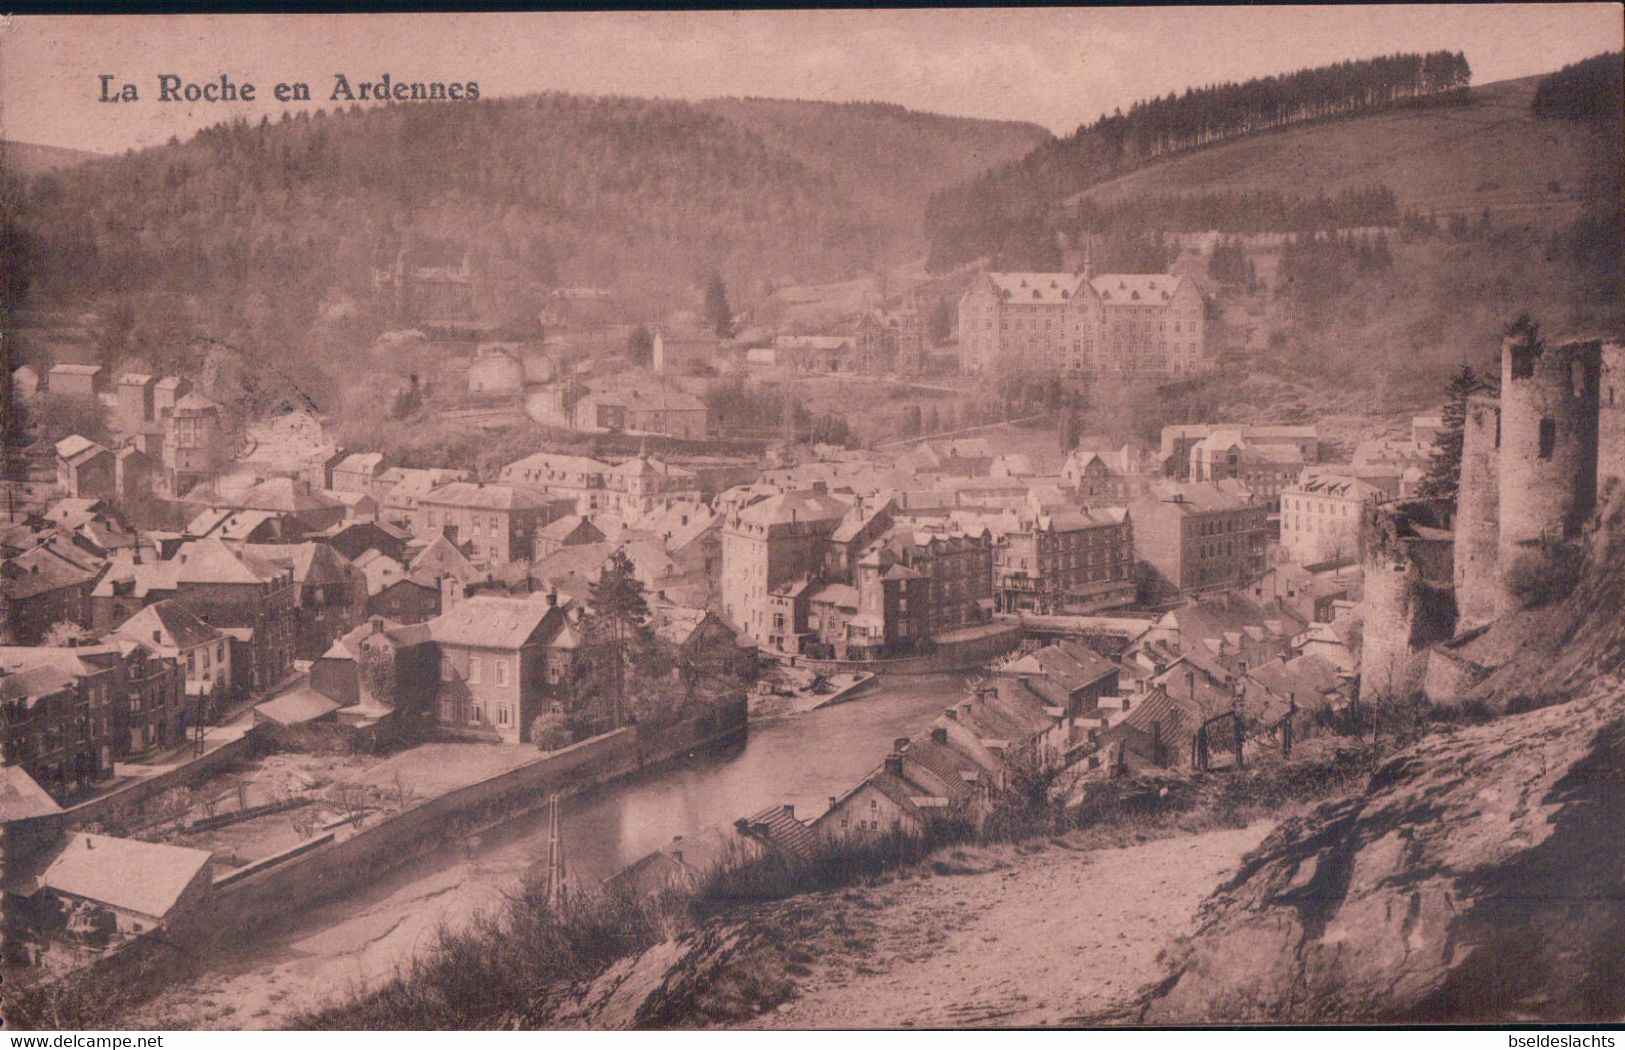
(1533, 462)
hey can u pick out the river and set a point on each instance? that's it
(357, 941)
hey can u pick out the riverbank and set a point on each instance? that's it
(325, 952)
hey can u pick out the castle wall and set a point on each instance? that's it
(1476, 575)
(1611, 415)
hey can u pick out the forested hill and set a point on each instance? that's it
(634, 194)
(883, 157)
(1011, 209)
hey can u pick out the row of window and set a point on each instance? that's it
(448, 671)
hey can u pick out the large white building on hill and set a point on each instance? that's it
(1131, 324)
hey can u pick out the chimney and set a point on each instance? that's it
(899, 743)
(894, 765)
(939, 734)
(952, 712)
(790, 810)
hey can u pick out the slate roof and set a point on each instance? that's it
(802, 505)
(482, 496)
(21, 797)
(778, 827)
(489, 622)
(174, 622)
(142, 877)
(297, 707)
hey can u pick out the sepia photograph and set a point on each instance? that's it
(804, 519)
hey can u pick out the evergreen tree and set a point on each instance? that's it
(640, 347)
(617, 625)
(718, 313)
(1444, 472)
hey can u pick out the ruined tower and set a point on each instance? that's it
(1477, 578)
(1611, 415)
(1408, 603)
(1548, 453)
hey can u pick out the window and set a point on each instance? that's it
(445, 668)
(502, 672)
(473, 670)
(1548, 438)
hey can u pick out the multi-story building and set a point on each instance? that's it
(958, 568)
(580, 478)
(1193, 537)
(57, 716)
(1178, 439)
(85, 468)
(170, 630)
(498, 522)
(1105, 479)
(399, 490)
(251, 600)
(1265, 469)
(642, 485)
(41, 587)
(332, 592)
(1107, 324)
(768, 544)
(503, 662)
(194, 444)
(1320, 515)
(1079, 560)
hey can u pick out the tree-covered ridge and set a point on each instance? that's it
(1203, 116)
(1257, 211)
(1591, 89)
(1011, 207)
(641, 195)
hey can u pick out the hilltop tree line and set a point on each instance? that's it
(1257, 211)
(1591, 89)
(1012, 207)
(1204, 116)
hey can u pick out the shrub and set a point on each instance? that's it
(1545, 574)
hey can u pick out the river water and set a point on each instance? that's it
(345, 945)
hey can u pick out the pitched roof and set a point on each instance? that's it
(211, 561)
(288, 495)
(21, 797)
(312, 563)
(36, 683)
(489, 622)
(301, 705)
(482, 496)
(173, 622)
(779, 828)
(571, 526)
(143, 877)
(1032, 287)
(442, 558)
(801, 505)
(1140, 288)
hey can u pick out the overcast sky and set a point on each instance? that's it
(1055, 67)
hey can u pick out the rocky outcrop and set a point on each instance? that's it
(721, 973)
(1479, 878)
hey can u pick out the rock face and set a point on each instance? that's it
(1479, 878)
(719, 974)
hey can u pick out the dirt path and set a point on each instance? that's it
(1057, 934)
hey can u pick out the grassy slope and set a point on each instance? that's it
(1433, 159)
